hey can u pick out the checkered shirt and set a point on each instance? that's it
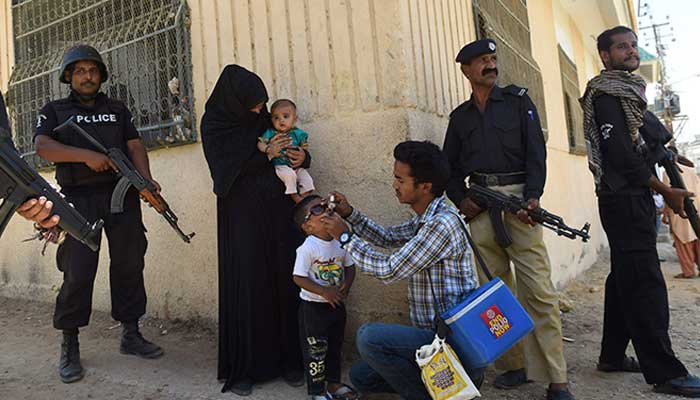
(432, 247)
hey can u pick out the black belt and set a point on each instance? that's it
(511, 178)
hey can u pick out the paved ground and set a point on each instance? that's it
(29, 351)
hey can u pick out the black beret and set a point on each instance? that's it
(475, 49)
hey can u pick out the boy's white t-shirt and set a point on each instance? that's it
(323, 262)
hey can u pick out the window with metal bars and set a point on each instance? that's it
(145, 44)
(574, 114)
(506, 22)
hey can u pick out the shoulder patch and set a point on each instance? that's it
(515, 90)
(605, 131)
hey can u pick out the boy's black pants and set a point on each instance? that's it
(322, 329)
(636, 299)
(127, 247)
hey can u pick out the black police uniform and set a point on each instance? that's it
(110, 122)
(636, 299)
(502, 146)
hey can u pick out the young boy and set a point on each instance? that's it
(324, 272)
(298, 182)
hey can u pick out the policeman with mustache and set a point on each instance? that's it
(495, 139)
(87, 178)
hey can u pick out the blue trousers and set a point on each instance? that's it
(388, 362)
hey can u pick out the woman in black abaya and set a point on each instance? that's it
(258, 333)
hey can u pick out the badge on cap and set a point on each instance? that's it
(475, 49)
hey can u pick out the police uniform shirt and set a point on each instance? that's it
(108, 121)
(626, 170)
(506, 138)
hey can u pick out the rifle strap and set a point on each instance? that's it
(477, 254)
(440, 326)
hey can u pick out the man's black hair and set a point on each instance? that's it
(427, 162)
(282, 103)
(302, 208)
(605, 38)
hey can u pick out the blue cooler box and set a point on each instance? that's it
(486, 324)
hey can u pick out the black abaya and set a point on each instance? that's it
(258, 333)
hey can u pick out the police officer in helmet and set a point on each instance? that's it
(87, 178)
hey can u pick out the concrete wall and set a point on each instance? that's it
(366, 74)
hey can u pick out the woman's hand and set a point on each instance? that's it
(277, 144)
(297, 156)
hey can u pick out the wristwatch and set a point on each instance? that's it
(345, 238)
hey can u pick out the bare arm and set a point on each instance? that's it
(138, 155)
(349, 279)
(673, 196)
(54, 151)
(262, 145)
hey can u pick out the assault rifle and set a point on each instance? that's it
(497, 202)
(129, 177)
(19, 183)
(674, 177)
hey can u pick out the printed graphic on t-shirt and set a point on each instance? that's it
(329, 271)
(323, 262)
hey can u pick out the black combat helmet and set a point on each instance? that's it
(82, 52)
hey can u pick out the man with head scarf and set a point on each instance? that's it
(257, 239)
(624, 142)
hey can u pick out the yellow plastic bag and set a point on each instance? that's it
(443, 374)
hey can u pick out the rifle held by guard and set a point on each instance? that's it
(19, 183)
(497, 202)
(129, 177)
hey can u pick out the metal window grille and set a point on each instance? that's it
(145, 44)
(574, 114)
(506, 22)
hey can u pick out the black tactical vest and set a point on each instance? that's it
(105, 122)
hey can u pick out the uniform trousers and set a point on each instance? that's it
(541, 352)
(127, 247)
(636, 299)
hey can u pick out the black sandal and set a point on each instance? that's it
(345, 392)
(629, 364)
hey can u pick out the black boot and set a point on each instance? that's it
(134, 343)
(69, 368)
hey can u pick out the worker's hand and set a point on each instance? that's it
(39, 211)
(342, 206)
(334, 225)
(523, 215)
